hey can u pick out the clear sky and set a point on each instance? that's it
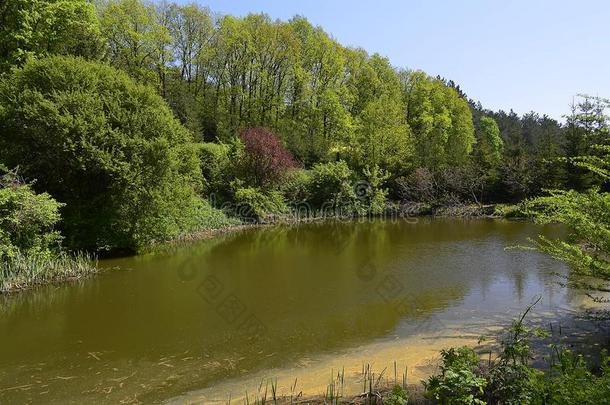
(524, 55)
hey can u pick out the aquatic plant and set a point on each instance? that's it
(23, 271)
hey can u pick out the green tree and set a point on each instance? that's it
(27, 220)
(138, 41)
(489, 145)
(105, 146)
(440, 121)
(382, 136)
(34, 28)
(586, 214)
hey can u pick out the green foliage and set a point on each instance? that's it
(458, 382)
(206, 217)
(216, 166)
(440, 121)
(332, 188)
(105, 146)
(252, 203)
(571, 382)
(137, 40)
(374, 196)
(587, 215)
(489, 146)
(398, 396)
(297, 185)
(27, 220)
(36, 28)
(510, 211)
(511, 379)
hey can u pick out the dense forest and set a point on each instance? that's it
(137, 122)
(133, 114)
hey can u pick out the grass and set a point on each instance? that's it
(22, 271)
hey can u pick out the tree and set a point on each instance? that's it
(105, 146)
(137, 40)
(35, 28)
(585, 128)
(382, 136)
(586, 214)
(265, 160)
(440, 121)
(489, 145)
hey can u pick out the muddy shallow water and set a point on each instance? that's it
(213, 318)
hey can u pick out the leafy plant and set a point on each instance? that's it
(332, 188)
(107, 147)
(27, 220)
(458, 382)
(254, 204)
(398, 396)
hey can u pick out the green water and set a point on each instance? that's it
(209, 312)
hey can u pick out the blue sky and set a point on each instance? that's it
(524, 55)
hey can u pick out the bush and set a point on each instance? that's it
(510, 211)
(419, 186)
(209, 217)
(332, 187)
(215, 166)
(572, 382)
(44, 27)
(265, 161)
(107, 147)
(297, 185)
(443, 187)
(256, 205)
(27, 220)
(398, 396)
(458, 382)
(372, 194)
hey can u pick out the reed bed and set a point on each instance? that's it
(21, 271)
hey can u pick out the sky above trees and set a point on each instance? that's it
(525, 55)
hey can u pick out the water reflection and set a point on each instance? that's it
(263, 298)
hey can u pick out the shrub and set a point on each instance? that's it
(572, 382)
(265, 161)
(27, 220)
(419, 186)
(398, 396)
(458, 382)
(107, 147)
(511, 211)
(375, 196)
(332, 187)
(297, 185)
(209, 217)
(254, 204)
(215, 166)
(443, 187)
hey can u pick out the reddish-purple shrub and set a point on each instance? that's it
(266, 161)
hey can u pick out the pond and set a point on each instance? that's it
(214, 318)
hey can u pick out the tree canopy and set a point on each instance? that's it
(107, 147)
(34, 28)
